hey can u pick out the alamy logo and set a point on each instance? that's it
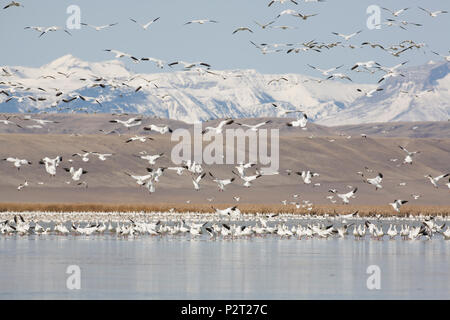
(231, 147)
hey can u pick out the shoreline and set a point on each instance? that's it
(383, 210)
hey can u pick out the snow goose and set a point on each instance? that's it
(139, 138)
(281, 2)
(325, 72)
(221, 183)
(13, 4)
(397, 204)
(300, 122)
(307, 176)
(255, 127)
(132, 122)
(201, 21)
(99, 28)
(248, 179)
(370, 93)
(150, 158)
(161, 130)
(51, 164)
(219, 128)
(197, 180)
(242, 29)
(345, 36)
(242, 166)
(434, 180)
(18, 162)
(76, 174)
(433, 14)
(375, 181)
(345, 197)
(409, 155)
(148, 24)
(179, 170)
(395, 13)
(103, 156)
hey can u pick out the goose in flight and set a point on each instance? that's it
(340, 76)
(99, 28)
(397, 204)
(434, 180)
(161, 130)
(242, 166)
(255, 127)
(448, 184)
(120, 54)
(395, 13)
(53, 29)
(370, 93)
(84, 156)
(139, 138)
(284, 111)
(433, 14)
(6, 121)
(263, 26)
(307, 176)
(76, 174)
(409, 155)
(277, 80)
(300, 122)
(190, 65)
(51, 164)
(345, 36)
(375, 181)
(102, 156)
(201, 21)
(221, 183)
(219, 128)
(148, 24)
(345, 197)
(132, 122)
(158, 62)
(281, 2)
(447, 58)
(242, 29)
(179, 170)
(13, 4)
(197, 180)
(247, 179)
(140, 180)
(228, 211)
(151, 159)
(325, 72)
(18, 162)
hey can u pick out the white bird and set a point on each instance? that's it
(138, 138)
(281, 2)
(76, 174)
(433, 14)
(327, 71)
(242, 166)
(197, 180)
(448, 184)
(397, 204)
(347, 37)
(242, 29)
(179, 170)
(221, 183)
(409, 155)
(102, 156)
(300, 122)
(13, 4)
(395, 13)
(99, 28)
(148, 24)
(219, 128)
(201, 21)
(151, 158)
(345, 197)
(51, 164)
(23, 185)
(248, 179)
(132, 122)
(434, 180)
(18, 162)
(375, 181)
(370, 93)
(307, 176)
(161, 130)
(53, 29)
(254, 127)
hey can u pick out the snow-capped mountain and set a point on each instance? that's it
(193, 96)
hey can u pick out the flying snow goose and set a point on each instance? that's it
(325, 72)
(201, 21)
(139, 138)
(375, 181)
(345, 36)
(161, 130)
(397, 204)
(53, 29)
(300, 122)
(13, 4)
(281, 2)
(447, 58)
(76, 174)
(219, 128)
(150, 158)
(242, 29)
(448, 184)
(434, 180)
(18, 162)
(99, 28)
(370, 93)
(433, 14)
(409, 155)
(221, 183)
(22, 185)
(242, 166)
(255, 127)
(51, 164)
(307, 176)
(395, 13)
(248, 179)
(132, 122)
(179, 170)
(148, 24)
(197, 180)
(345, 197)
(103, 156)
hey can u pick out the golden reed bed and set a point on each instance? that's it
(207, 208)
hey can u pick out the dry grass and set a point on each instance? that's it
(207, 208)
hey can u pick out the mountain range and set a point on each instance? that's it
(422, 93)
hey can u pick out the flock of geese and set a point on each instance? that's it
(225, 224)
(15, 90)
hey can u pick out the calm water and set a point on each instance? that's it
(34, 267)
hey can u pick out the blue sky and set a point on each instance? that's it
(169, 39)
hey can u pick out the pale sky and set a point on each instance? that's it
(168, 39)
